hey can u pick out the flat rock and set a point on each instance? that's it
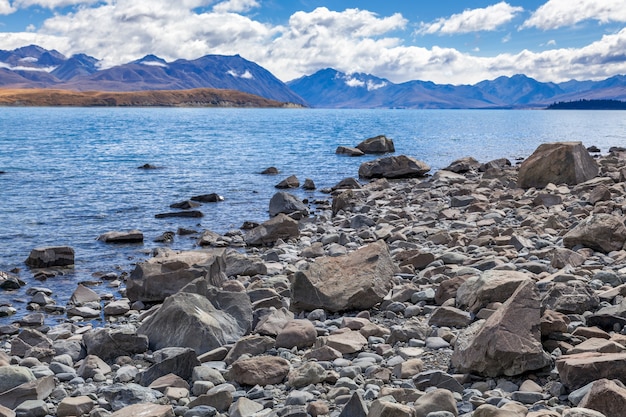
(607, 397)
(171, 360)
(279, 227)
(580, 369)
(108, 344)
(132, 236)
(144, 410)
(261, 370)
(489, 287)
(602, 232)
(392, 167)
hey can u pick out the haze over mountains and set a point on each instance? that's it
(36, 67)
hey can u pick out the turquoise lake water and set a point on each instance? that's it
(71, 174)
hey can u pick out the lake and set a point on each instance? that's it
(71, 174)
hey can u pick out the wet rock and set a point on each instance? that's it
(261, 370)
(349, 151)
(391, 167)
(557, 163)
(132, 236)
(509, 342)
(50, 256)
(377, 144)
(169, 271)
(208, 198)
(185, 214)
(309, 184)
(601, 232)
(289, 182)
(358, 280)
(279, 227)
(185, 205)
(270, 171)
(190, 320)
(10, 282)
(283, 202)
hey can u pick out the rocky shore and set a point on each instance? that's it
(484, 290)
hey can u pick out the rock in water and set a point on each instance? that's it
(377, 144)
(356, 281)
(557, 163)
(133, 236)
(279, 227)
(208, 198)
(169, 271)
(400, 166)
(283, 202)
(190, 320)
(349, 151)
(50, 256)
(509, 342)
(601, 232)
(289, 182)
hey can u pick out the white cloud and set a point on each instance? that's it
(6, 8)
(354, 82)
(551, 42)
(25, 68)
(235, 6)
(154, 64)
(559, 13)
(475, 20)
(371, 85)
(51, 4)
(507, 38)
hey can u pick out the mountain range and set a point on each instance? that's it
(36, 67)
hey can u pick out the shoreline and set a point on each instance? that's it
(392, 350)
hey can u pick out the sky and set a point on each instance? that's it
(445, 41)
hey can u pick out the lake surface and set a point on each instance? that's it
(72, 174)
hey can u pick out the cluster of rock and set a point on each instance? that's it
(483, 290)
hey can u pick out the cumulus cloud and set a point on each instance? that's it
(235, 6)
(559, 13)
(6, 8)
(475, 20)
(51, 4)
(245, 75)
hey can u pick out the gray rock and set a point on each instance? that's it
(132, 236)
(171, 360)
(601, 232)
(283, 202)
(279, 227)
(46, 257)
(123, 395)
(108, 344)
(391, 167)
(377, 144)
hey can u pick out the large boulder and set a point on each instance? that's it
(580, 369)
(108, 344)
(49, 256)
(283, 202)
(173, 360)
(355, 281)
(279, 227)
(377, 144)
(489, 287)
(601, 232)
(607, 397)
(190, 320)
(509, 341)
(400, 166)
(169, 271)
(557, 163)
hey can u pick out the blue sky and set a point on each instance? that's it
(456, 42)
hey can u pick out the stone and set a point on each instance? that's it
(144, 410)
(91, 366)
(557, 163)
(349, 151)
(344, 342)
(435, 400)
(289, 182)
(170, 360)
(169, 271)
(408, 368)
(270, 171)
(10, 281)
(297, 333)
(381, 408)
(117, 307)
(238, 264)
(438, 379)
(356, 281)
(582, 368)
(132, 236)
(185, 205)
(377, 144)
(83, 295)
(244, 407)
(260, 370)
(601, 232)
(208, 198)
(450, 316)
(184, 214)
(563, 257)
(509, 341)
(38, 389)
(108, 344)
(279, 227)
(595, 344)
(120, 396)
(46, 257)
(553, 322)
(463, 165)
(307, 374)
(169, 380)
(286, 203)
(249, 345)
(272, 323)
(75, 406)
(190, 320)
(13, 376)
(491, 286)
(32, 408)
(507, 410)
(355, 407)
(410, 329)
(573, 297)
(309, 184)
(393, 167)
(607, 397)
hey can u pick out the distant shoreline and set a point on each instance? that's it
(588, 105)
(200, 97)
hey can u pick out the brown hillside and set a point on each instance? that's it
(200, 97)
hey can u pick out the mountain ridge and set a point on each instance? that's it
(35, 67)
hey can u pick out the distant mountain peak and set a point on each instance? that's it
(151, 60)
